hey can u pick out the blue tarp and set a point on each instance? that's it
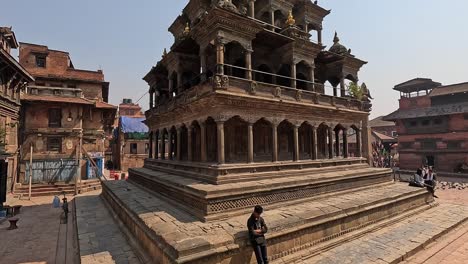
(133, 125)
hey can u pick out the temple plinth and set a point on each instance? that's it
(247, 109)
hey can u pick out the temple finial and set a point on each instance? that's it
(336, 39)
(291, 21)
(164, 53)
(187, 29)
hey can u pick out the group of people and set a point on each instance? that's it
(425, 177)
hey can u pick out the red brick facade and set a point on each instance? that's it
(432, 128)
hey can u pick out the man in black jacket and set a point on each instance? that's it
(257, 230)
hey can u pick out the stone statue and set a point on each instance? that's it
(366, 98)
(228, 5)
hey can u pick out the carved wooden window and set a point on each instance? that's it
(55, 117)
(54, 144)
(133, 148)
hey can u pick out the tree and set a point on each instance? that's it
(356, 91)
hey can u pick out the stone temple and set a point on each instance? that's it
(250, 108)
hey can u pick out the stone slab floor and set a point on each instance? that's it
(39, 238)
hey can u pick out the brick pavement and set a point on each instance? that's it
(35, 241)
(390, 244)
(100, 239)
(451, 248)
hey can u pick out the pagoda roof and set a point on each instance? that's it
(416, 84)
(431, 111)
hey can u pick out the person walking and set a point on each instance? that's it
(257, 230)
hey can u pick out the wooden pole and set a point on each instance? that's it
(77, 165)
(30, 171)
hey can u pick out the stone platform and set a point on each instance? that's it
(272, 189)
(171, 235)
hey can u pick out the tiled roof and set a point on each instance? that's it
(383, 137)
(428, 111)
(379, 122)
(104, 105)
(57, 99)
(450, 89)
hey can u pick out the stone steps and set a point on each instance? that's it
(170, 235)
(211, 202)
(38, 190)
(392, 241)
(235, 173)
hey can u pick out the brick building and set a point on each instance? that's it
(64, 108)
(131, 146)
(381, 126)
(13, 79)
(432, 125)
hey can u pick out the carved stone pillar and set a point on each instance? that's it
(312, 78)
(250, 143)
(345, 143)
(293, 75)
(248, 62)
(203, 157)
(366, 136)
(274, 130)
(314, 155)
(179, 145)
(156, 145)
(220, 130)
(220, 57)
(163, 146)
(203, 65)
(358, 143)
(150, 150)
(272, 18)
(189, 144)
(343, 87)
(296, 143)
(252, 8)
(330, 143)
(171, 146)
(337, 143)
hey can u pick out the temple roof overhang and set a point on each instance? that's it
(7, 59)
(415, 85)
(432, 111)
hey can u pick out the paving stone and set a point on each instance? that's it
(100, 239)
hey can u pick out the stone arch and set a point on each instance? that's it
(183, 142)
(280, 20)
(305, 141)
(263, 141)
(340, 140)
(211, 140)
(303, 75)
(322, 141)
(285, 141)
(172, 143)
(285, 73)
(210, 55)
(235, 56)
(235, 140)
(196, 141)
(261, 10)
(354, 141)
(264, 74)
(164, 143)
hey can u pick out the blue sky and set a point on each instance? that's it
(401, 39)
